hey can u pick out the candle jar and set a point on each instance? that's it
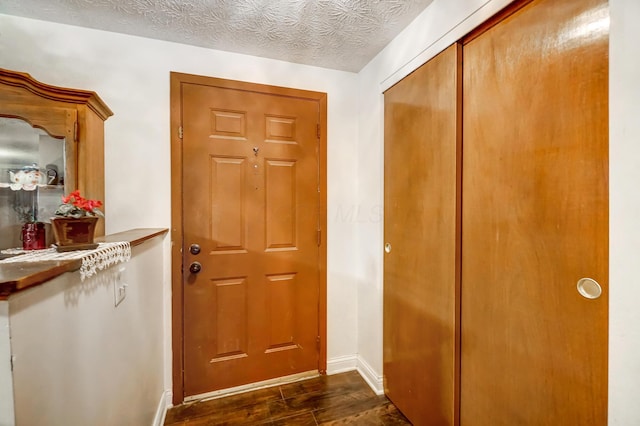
(33, 236)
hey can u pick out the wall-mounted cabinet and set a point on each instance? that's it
(51, 143)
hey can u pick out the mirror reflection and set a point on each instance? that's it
(31, 181)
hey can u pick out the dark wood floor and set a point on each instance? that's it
(339, 399)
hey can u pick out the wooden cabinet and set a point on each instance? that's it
(496, 217)
(75, 117)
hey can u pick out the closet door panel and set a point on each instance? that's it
(421, 259)
(535, 218)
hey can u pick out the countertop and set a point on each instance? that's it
(17, 276)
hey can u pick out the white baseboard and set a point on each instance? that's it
(163, 406)
(346, 363)
(342, 364)
(373, 379)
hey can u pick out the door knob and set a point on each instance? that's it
(195, 267)
(387, 248)
(194, 249)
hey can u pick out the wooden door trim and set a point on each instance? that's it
(176, 81)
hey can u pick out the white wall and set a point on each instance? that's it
(624, 214)
(131, 75)
(441, 24)
(79, 359)
(7, 414)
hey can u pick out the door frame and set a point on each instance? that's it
(177, 322)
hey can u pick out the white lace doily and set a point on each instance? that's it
(101, 258)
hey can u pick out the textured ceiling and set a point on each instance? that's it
(338, 34)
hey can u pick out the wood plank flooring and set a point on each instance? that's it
(326, 400)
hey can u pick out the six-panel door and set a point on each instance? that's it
(251, 204)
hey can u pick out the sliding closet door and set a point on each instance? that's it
(421, 259)
(535, 218)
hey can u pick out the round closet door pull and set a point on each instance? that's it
(589, 288)
(387, 248)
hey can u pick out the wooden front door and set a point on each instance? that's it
(251, 243)
(535, 218)
(421, 232)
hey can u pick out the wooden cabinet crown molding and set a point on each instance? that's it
(55, 93)
(76, 115)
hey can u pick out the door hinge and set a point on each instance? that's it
(319, 237)
(318, 130)
(180, 133)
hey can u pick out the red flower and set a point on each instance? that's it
(76, 205)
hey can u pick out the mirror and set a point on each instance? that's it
(32, 171)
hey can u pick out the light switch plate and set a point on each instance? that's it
(119, 286)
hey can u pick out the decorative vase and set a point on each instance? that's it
(33, 236)
(74, 233)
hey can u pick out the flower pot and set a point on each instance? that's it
(74, 233)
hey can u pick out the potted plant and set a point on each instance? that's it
(74, 223)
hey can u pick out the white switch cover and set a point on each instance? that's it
(119, 286)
